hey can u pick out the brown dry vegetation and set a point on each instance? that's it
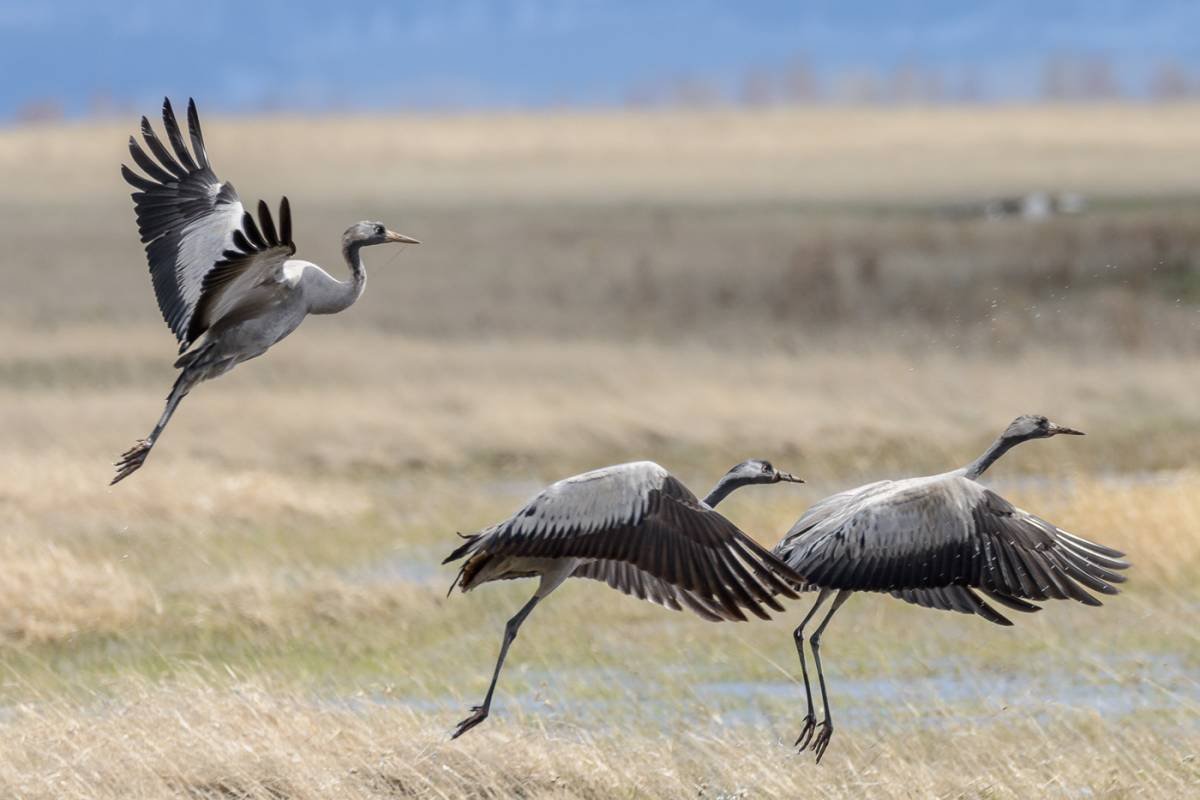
(260, 613)
(250, 740)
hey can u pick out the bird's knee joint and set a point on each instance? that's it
(798, 634)
(815, 641)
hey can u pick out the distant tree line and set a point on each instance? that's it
(1061, 79)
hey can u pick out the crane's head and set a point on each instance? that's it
(363, 234)
(757, 471)
(1035, 426)
(746, 473)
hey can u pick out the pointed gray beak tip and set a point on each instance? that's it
(401, 238)
(790, 478)
(1055, 430)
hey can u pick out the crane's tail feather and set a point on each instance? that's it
(461, 551)
(464, 548)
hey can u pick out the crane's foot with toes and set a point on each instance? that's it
(478, 715)
(806, 733)
(132, 460)
(821, 740)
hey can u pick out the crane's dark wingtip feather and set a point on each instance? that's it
(164, 157)
(1015, 603)
(135, 180)
(267, 223)
(196, 134)
(175, 137)
(769, 567)
(285, 223)
(241, 243)
(1100, 549)
(250, 228)
(147, 164)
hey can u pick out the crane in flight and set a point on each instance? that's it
(640, 530)
(943, 541)
(221, 278)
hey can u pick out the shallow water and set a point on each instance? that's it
(949, 698)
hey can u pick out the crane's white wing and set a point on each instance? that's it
(250, 273)
(190, 222)
(930, 541)
(638, 528)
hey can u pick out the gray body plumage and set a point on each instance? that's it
(946, 542)
(937, 540)
(224, 282)
(640, 530)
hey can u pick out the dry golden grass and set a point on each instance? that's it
(1156, 522)
(347, 404)
(249, 740)
(814, 155)
(275, 667)
(47, 594)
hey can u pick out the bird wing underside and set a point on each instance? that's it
(638, 583)
(930, 544)
(965, 600)
(187, 217)
(713, 567)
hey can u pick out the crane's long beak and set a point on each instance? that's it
(789, 477)
(1056, 429)
(392, 236)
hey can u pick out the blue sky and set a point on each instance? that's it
(532, 53)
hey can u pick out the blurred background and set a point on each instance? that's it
(541, 54)
(854, 238)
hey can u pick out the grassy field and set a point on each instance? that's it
(261, 612)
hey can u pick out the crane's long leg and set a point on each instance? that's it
(825, 729)
(479, 713)
(810, 720)
(550, 581)
(134, 457)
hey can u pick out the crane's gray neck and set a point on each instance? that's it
(998, 448)
(340, 295)
(724, 488)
